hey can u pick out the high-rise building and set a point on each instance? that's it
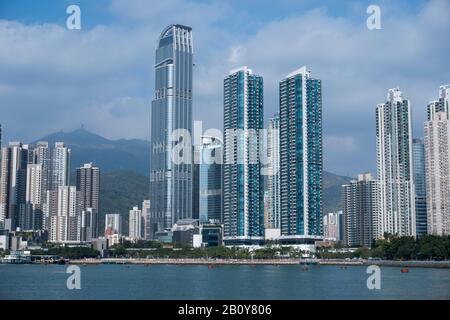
(361, 211)
(89, 224)
(135, 224)
(437, 164)
(88, 188)
(170, 182)
(395, 166)
(60, 166)
(243, 192)
(42, 155)
(35, 197)
(333, 228)
(15, 159)
(208, 179)
(88, 185)
(301, 157)
(420, 192)
(273, 150)
(65, 224)
(146, 217)
(113, 224)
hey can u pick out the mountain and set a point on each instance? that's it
(332, 191)
(124, 166)
(109, 155)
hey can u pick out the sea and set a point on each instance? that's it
(200, 282)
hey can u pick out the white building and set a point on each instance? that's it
(395, 166)
(113, 224)
(437, 164)
(146, 218)
(333, 226)
(65, 225)
(136, 224)
(60, 169)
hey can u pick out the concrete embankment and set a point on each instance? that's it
(385, 263)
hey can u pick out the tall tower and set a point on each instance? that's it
(208, 179)
(273, 140)
(301, 158)
(88, 186)
(243, 192)
(437, 164)
(171, 183)
(394, 166)
(60, 170)
(15, 158)
(420, 192)
(360, 209)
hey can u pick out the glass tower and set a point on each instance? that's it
(243, 192)
(208, 180)
(420, 186)
(301, 158)
(171, 182)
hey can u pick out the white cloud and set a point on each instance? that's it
(53, 79)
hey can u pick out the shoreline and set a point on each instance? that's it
(275, 262)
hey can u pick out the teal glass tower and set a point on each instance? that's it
(243, 192)
(171, 182)
(301, 158)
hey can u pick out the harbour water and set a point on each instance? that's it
(123, 282)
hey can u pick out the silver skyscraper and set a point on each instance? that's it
(171, 183)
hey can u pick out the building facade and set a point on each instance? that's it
(437, 164)
(360, 211)
(135, 224)
(273, 175)
(113, 224)
(170, 182)
(333, 228)
(208, 179)
(243, 192)
(395, 166)
(301, 157)
(420, 192)
(15, 159)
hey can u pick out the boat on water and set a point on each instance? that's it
(404, 270)
(17, 257)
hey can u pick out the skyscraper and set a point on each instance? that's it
(437, 164)
(273, 205)
(301, 158)
(15, 160)
(171, 183)
(208, 179)
(395, 166)
(88, 185)
(60, 166)
(88, 188)
(243, 192)
(135, 224)
(361, 211)
(420, 194)
(35, 197)
(65, 224)
(146, 216)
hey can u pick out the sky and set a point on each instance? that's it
(55, 79)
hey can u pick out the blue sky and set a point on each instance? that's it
(101, 76)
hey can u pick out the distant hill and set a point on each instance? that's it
(109, 155)
(332, 200)
(124, 166)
